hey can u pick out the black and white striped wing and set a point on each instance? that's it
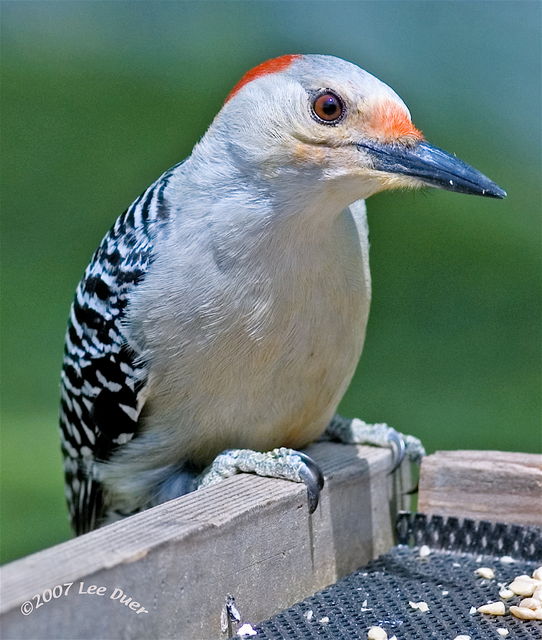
(103, 382)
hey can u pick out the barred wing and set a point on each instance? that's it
(103, 381)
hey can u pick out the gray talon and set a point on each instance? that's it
(312, 482)
(282, 463)
(398, 447)
(357, 431)
(309, 462)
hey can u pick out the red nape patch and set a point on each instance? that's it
(269, 66)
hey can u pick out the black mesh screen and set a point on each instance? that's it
(445, 580)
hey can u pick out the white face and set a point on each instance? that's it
(324, 124)
(310, 120)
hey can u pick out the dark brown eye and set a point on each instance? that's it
(328, 107)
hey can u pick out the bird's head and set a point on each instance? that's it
(301, 116)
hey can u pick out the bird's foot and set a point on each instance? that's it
(354, 431)
(283, 463)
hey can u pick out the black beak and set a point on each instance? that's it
(431, 165)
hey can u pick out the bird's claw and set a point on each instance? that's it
(313, 468)
(283, 463)
(380, 435)
(396, 443)
(313, 479)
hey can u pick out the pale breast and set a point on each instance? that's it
(267, 363)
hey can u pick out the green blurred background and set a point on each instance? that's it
(98, 98)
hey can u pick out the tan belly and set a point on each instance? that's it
(261, 406)
(278, 384)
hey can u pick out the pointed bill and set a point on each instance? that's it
(432, 166)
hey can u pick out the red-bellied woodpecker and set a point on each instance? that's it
(225, 310)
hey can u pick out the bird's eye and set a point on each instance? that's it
(328, 107)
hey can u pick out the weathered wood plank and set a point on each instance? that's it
(484, 485)
(248, 536)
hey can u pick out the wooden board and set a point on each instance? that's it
(247, 536)
(484, 485)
